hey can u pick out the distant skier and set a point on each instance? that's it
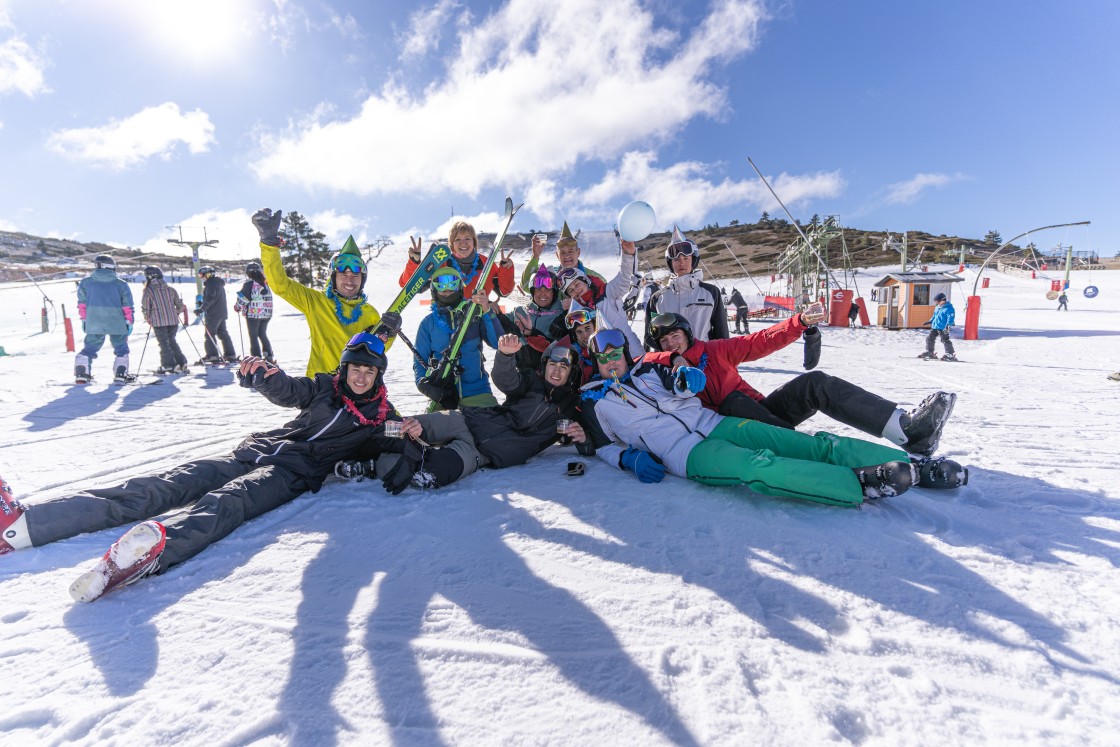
(853, 314)
(215, 311)
(254, 300)
(1063, 302)
(943, 318)
(105, 307)
(742, 312)
(341, 415)
(163, 308)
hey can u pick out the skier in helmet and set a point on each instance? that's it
(163, 310)
(106, 309)
(254, 300)
(701, 303)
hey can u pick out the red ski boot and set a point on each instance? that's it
(131, 558)
(13, 525)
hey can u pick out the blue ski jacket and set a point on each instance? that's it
(434, 338)
(943, 317)
(105, 303)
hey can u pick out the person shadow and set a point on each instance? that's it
(78, 401)
(432, 557)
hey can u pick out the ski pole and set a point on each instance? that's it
(410, 346)
(187, 329)
(143, 350)
(240, 334)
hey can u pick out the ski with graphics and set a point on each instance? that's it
(433, 260)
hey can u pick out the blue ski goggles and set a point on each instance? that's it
(368, 342)
(349, 263)
(447, 283)
(576, 318)
(608, 338)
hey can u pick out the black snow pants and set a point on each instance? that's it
(258, 337)
(170, 355)
(215, 497)
(805, 395)
(214, 333)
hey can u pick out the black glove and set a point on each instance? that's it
(268, 225)
(812, 337)
(397, 479)
(439, 390)
(389, 325)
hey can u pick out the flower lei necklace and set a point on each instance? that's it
(343, 318)
(349, 404)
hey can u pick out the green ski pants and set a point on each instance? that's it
(778, 461)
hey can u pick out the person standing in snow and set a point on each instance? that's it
(567, 256)
(215, 311)
(341, 414)
(105, 307)
(645, 418)
(943, 318)
(334, 314)
(466, 260)
(163, 308)
(742, 313)
(1063, 302)
(527, 423)
(254, 300)
(797, 400)
(687, 294)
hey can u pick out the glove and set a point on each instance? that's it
(389, 326)
(268, 225)
(438, 390)
(646, 466)
(812, 337)
(690, 379)
(128, 327)
(397, 479)
(351, 469)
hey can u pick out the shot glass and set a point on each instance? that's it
(393, 429)
(562, 425)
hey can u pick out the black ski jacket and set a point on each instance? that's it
(525, 424)
(325, 430)
(214, 300)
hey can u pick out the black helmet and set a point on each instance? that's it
(366, 349)
(663, 324)
(252, 267)
(104, 261)
(610, 338)
(153, 273)
(206, 270)
(562, 350)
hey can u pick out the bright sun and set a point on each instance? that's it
(201, 33)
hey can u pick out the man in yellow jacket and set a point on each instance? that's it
(334, 314)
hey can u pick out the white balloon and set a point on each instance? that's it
(636, 221)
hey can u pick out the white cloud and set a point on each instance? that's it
(684, 193)
(233, 229)
(121, 144)
(424, 27)
(21, 68)
(533, 90)
(905, 193)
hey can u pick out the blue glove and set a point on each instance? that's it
(646, 466)
(690, 379)
(129, 327)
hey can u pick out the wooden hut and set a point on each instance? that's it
(906, 298)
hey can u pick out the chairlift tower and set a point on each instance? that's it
(375, 247)
(806, 264)
(195, 263)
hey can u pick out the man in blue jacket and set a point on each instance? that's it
(943, 318)
(105, 306)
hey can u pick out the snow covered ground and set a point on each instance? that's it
(526, 607)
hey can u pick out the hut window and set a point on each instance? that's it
(921, 295)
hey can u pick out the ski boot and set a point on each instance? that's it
(230, 360)
(940, 473)
(13, 524)
(123, 377)
(353, 469)
(165, 371)
(949, 357)
(182, 369)
(82, 373)
(886, 480)
(929, 355)
(131, 558)
(1114, 376)
(922, 425)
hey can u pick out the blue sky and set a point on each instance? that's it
(119, 118)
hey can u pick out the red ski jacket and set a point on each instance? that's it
(724, 357)
(499, 279)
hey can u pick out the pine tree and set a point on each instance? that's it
(307, 247)
(993, 237)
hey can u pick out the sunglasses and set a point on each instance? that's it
(576, 318)
(682, 249)
(542, 281)
(364, 340)
(610, 355)
(447, 283)
(349, 263)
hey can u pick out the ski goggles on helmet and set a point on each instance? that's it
(447, 283)
(608, 338)
(569, 275)
(559, 355)
(682, 249)
(370, 343)
(662, 325)
(542, 281)
(577, 318)
(349, 263)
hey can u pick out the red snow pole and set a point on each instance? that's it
(838, 309)
(864, 319)
(69, 330)
(972, 318)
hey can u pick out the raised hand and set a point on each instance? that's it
(268, 225)
(509, 344)
(414, 251)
